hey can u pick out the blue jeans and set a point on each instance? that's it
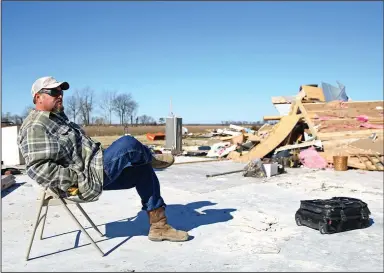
(127, 164)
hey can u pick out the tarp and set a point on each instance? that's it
(332, 93)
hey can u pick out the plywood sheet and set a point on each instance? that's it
(313, 93)
(280, 132)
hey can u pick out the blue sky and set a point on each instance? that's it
(216, 60)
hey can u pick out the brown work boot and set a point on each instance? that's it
(160, 230)
(162, 161)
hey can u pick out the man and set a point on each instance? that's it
(58, 154)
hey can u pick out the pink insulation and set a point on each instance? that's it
(312, 159)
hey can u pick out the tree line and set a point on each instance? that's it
(82, 107)
(228, 122)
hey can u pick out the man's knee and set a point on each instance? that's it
(129, 141)
(139, 152)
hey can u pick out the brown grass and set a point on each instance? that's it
(108, 134)
(140, 130)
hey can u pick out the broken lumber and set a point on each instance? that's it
(278, 134)
(354, 162)
(316, 143)
(312, 93)
(272, 117)
(282, 99)
(254, 138)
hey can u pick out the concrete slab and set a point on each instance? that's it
(237, 224)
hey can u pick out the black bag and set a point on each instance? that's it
(333, 215)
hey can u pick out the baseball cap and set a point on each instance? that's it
(47, 83)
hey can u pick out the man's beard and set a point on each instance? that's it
(58, 109)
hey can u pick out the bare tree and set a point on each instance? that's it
(98, 121)
(27, 110)
(131, 111)
(161, 121)
(133, 115)
(6, 117)
(107, 104)
(124, 106)
(73, 106)
(144, 119)
(16, 119)
(86, 104)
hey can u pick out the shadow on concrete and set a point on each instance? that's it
(184, 217)
(11, 189)
(371, 222)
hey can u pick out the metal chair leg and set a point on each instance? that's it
(36, 224)
(44, 218)
(89, 219)
(81, 227)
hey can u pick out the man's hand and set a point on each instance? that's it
(73, 191)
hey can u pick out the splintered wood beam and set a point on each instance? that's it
(272, 117)
(306, 118)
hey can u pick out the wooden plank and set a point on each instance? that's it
(339, 122)
(307, 119)
(348, 134)
(381, 161)
(362, 105)
(313, 93)
(301, 145)
(280, 100)
(254, 138)
(272, 117)
(363, 161)
(226, 138)
(342, 129)
(331, 145)
(353, 161)
(238, 139)
(346, 113)
(295, 106)
(374, 163)
(278, 134)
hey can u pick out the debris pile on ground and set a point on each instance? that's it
(225, 140)
(314, 126)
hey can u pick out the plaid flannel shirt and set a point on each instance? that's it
(58, 154)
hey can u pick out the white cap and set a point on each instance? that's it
(47, 83)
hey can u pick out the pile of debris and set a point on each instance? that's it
(313, 127)
(329, 127)
(234, 138)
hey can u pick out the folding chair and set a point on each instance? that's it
(50, 198)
